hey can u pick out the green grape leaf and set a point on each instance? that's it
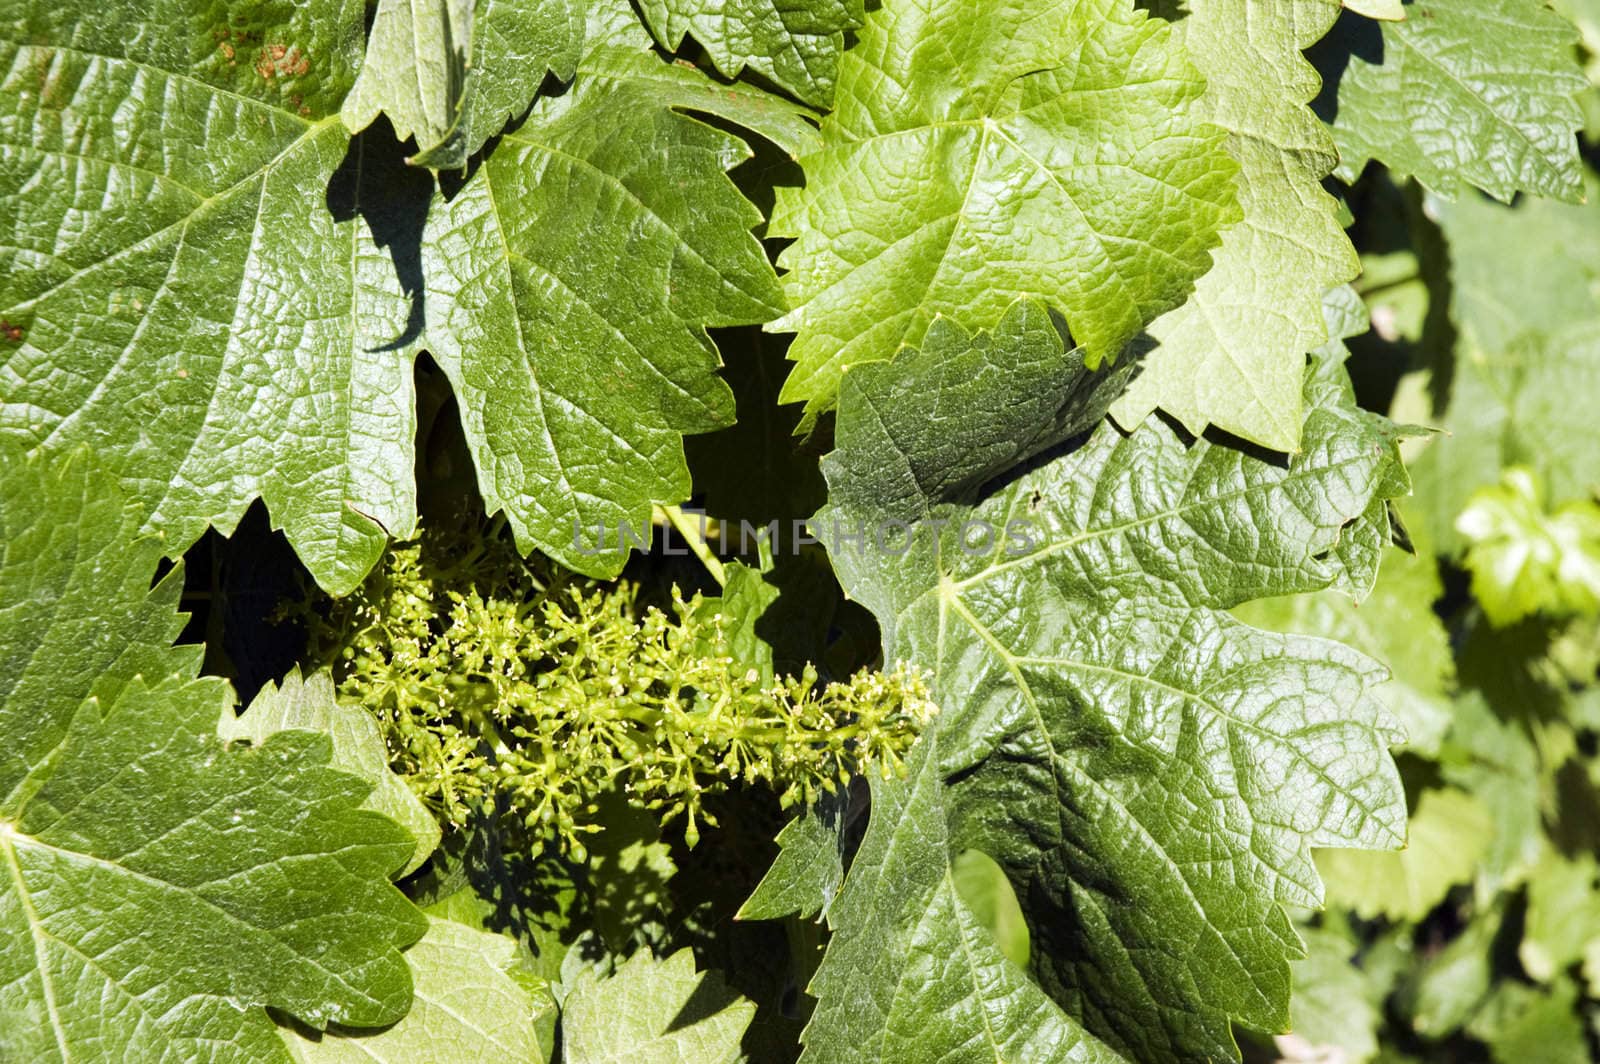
(796, 45)
(86, 623)
(571, 279)
(1150, 773)
(1361, 545)
(1563, 918)
(1526, 561)
(235, 311)
(184, 300)
(662, 1011)
(911, 973)
(983, 885)
(472, 1005)
(1497, 764)
(805, 877)
(451, 72)
(981, 152)
(1233, 355)
(1521, 1023)
(1448, 988)
(1336, 1007)
(617, 48)
(1395, 624)
(943, 432)
(159, 888)
(1448, 834)
(1460, 93)
(1526, 300)
(310, 704)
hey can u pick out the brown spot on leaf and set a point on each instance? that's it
(278, 61)
(227, 50)
(10, 332)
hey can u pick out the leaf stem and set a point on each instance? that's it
(679, 520)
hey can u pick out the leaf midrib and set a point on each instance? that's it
(36, 932)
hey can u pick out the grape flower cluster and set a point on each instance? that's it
(507, 683)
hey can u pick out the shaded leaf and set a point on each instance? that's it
(1462, 92)
(471, 1006)
(656, 1010)
(911, 972)
(1113, 745)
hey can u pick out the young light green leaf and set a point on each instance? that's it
(1496, 762)
(662, 1011)
(157, 887)
(1524, 560)
(570, 281)
(796, 45)
(1460, 93)
(1448, 834)
(1563, 918)
(983, 886)
(1523, 1024)
(1336, 1008)
(1233, 355)
(1071, 733)
(471, 1006)
(910, 972)
(1526, 300)
(451, 72)
(192, 293)
(980, 152)
(309, 704)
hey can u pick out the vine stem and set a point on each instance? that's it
(679, 520)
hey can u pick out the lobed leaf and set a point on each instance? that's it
(310, 704)
(656, 1010)
(472, 1006)
(982, 152)
(210, 283)
(795, 44)
(1460, 93)
(451, 72)
(185, 301)
(1233, 354)
(161, 888)
(1150, 773)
